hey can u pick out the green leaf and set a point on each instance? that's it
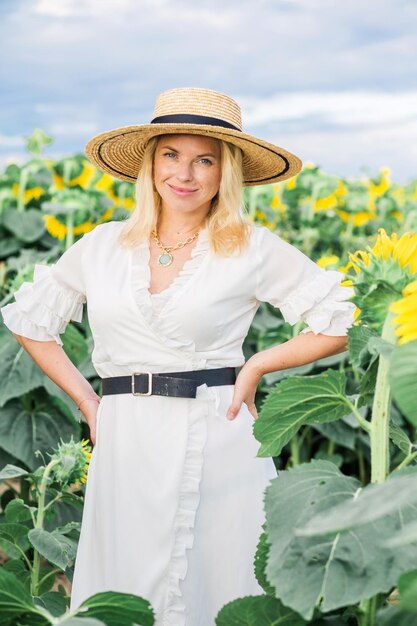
(339, 569)
(28, 226)
(297, 401)
(407, 586)
(15, 601)
(261, 557)
(54, 602)
(14, 538)
(400, 438)
(18, 371)
(118, 609)
(358, 339)
(75, 345)
(22, 432)
(402, 378)
(257, 611)
(12, 471)
(368, 383)
(56, 548)
(17, 511)
(36, 142)
(395, 616)
(408, 534)
(367, 505)
(339, 432)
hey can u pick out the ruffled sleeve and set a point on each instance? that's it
(44, 307)
(301, 289)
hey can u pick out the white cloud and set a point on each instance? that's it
(79, 8)
(11, 141)
(343, 108)
(357, 151)
(73, 129)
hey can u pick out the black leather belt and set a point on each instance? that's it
(178, 384)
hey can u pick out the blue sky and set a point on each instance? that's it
(334, 82)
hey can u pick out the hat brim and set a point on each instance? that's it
(119, 152)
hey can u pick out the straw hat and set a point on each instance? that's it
(196, 111)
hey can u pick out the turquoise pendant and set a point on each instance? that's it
(165, 259)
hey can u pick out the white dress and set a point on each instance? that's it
(174, 496)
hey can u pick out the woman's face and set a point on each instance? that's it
(187, 172)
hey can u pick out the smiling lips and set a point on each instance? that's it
(182, 192)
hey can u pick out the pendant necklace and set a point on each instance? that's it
(166, 257)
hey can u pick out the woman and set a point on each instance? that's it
(174, 497)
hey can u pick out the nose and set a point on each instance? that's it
(184, 172)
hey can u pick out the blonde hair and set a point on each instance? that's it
(227, 225)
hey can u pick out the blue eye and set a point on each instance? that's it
(208, 161)
(169, 154)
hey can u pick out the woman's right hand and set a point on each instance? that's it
(90, 409)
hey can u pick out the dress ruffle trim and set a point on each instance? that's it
(43, 307)
(321, 302)
(154, 306)
(189, 498)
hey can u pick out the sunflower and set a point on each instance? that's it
(406, 309)
(381, 274)
(73, 461)
(325, 261)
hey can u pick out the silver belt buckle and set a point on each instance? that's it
(138, 393)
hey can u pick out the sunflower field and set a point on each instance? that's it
(339, 545)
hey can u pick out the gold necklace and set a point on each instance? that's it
(166, 258)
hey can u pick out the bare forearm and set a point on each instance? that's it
(55, 363)
(302, 349)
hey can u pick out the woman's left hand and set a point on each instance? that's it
(244, 390)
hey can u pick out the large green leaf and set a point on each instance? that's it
(15, 601)
(27, 226)
(297, 401)
(402, 377)
(75, 344)
(22, 432)
(257, 611)
(18, 371)
(56, 548)
(118, 609)
(408, 534)
(14, 538)
(336, 570)
(367, 505)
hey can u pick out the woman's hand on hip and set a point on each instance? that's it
(244, 390)
(90, 409)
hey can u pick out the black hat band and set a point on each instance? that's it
(185, 118)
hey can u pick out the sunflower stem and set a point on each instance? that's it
(39, 525)
(380, 465)
(23, 181)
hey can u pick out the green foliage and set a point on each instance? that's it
(328, 535)
(297, 401)
(257, 611)
(403, 377)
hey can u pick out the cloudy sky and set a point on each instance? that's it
(334, 82)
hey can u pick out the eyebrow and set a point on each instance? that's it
(198, 155)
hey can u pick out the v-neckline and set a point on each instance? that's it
(151, 306)
(201, 240)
